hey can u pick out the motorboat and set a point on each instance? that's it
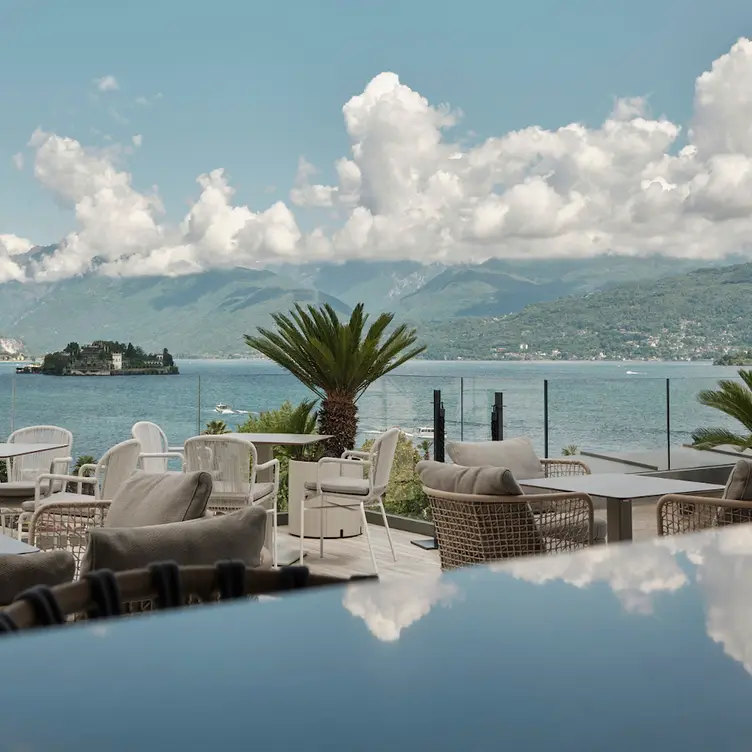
(223, 409)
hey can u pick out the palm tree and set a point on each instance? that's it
(336, 360)
(735, 400)
(216, 428)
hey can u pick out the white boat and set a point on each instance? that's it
(223, 409)
(424, 432)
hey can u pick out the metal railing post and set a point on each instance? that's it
(497, 417)
(431, 544)
(545, 418)
(462, 408)
(198, 407)
(668, 424)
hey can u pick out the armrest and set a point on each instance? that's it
(85, 468)
(59, 476)
(93, 510)
(65, 461)
(272, 465)
(681, 513)
(352, 453)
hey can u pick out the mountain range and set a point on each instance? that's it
(206, 314)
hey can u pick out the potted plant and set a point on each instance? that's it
(337, 360)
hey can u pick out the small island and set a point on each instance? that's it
(107, 358)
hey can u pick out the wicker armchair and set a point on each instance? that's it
(677, 514)
(65, 526)
(161, 586)
(563, 467)
(473, 529)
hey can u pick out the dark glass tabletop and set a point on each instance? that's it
(643, 646)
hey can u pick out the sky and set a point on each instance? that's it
(241, 133)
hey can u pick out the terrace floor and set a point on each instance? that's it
(348, 556)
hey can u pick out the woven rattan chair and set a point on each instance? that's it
(161, 586)
(472, 529)
(677, 514)
(66, 525)
(564, 467)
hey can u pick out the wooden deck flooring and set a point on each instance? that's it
(344, 557)
(348, 556)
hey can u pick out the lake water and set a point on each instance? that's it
(605, 406)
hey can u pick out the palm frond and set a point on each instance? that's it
(708, 438)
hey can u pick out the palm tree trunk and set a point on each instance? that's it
(338, 417)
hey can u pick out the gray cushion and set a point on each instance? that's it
(239, 535)
(261, 490)
(482, 481)
(18, 572)
(739, 484)
(159, 498)
(518, 455)
(14, 489)
(341, 485)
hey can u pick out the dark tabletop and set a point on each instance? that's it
(622, 485)
(626, 647)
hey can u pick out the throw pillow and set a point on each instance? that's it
(159, 498)
(481, 481)
(239, 535)
(518, 455)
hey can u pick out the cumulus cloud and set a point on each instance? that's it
(12, 246)
(137, 140)
(389, 609)
(106, 83)
(411, 187)
(18, 160)
(634, 576)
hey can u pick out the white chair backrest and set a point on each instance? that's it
(227, 459)
(382, 457)
(116, 466)
(153, 441)
(28, 467)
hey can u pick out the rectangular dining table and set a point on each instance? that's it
(619, 490)
(8, 451)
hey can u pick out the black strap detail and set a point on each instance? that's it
(231, 578)
(105, 593)
(7, 624)
(47, 610)
(165, 576)
(292, 578)
(357, 577)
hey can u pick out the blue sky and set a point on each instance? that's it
(251, 86)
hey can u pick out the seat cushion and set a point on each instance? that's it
(159, 498)
(517, 455)
(261, 491)
(19, 572)
(482, 481)
(238, 535)
(341, 485)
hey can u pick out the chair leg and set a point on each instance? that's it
(368, 537)
(386, 527)
(322, 521)
(302, 529)
(275, 555)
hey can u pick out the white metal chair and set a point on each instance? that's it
(234, 467)
(155, 450)
(106, 477)
(23, 471)
(354, 493)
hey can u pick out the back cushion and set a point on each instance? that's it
(239, 535)
(516, 454)
(739, 484)
(159, 498)
(18, 572)
(481, 481)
